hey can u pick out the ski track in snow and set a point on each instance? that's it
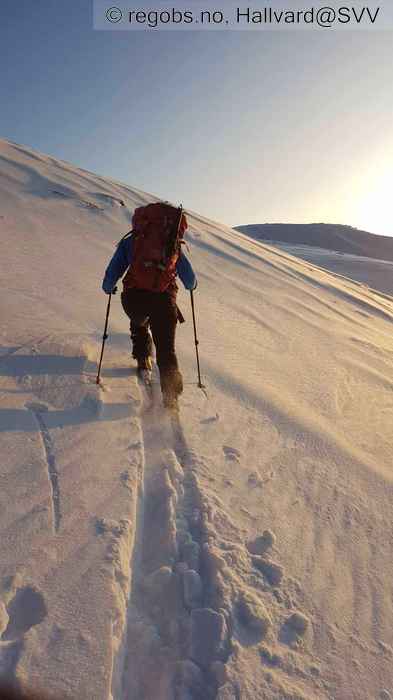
(163, 642)
(12, 351)
(187, 611)
(37, 411)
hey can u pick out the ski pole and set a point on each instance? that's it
(104, 337)
(201, 386)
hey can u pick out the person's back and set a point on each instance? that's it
(152, 257)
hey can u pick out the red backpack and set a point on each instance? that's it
(157, 233)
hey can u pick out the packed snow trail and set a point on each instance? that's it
(188, 612)
(164, 635)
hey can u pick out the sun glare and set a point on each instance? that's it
(374, 206)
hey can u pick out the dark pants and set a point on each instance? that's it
(156, 311)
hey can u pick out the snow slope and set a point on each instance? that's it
(377, 274)
(245, 553)
(344, 239)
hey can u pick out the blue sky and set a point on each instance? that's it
(241, 126)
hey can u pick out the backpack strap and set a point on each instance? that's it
(173, 242)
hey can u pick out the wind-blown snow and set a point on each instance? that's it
(373, 273)
(243, 554)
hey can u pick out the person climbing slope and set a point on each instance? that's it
(151, 257)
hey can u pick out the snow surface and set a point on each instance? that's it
(244, 553)
(374, 273)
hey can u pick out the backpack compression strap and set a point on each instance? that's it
(172, 244)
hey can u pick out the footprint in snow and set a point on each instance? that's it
(231, 453)
(211, 419)
(26, 609)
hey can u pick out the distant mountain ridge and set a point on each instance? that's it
(343, 239)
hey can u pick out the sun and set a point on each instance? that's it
(374, 209)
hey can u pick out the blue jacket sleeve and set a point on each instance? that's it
(186, 273)
(118, 265)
